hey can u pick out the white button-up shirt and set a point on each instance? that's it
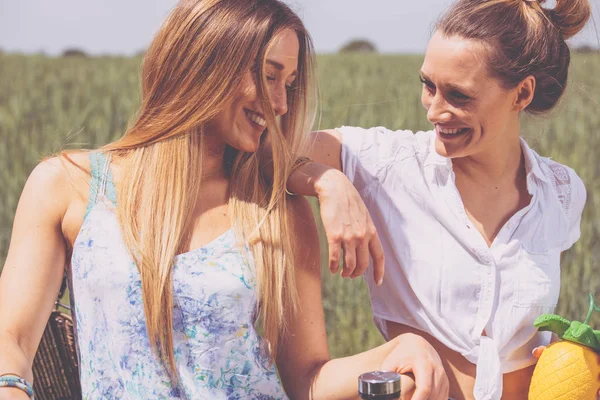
(441, 277)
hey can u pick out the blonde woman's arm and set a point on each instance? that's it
(304, 363)
(33, 271)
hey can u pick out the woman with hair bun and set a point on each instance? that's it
(471, 220)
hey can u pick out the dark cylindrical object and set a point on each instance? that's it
(379, 385)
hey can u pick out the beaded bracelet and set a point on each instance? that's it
(15, 381)
(300, 161)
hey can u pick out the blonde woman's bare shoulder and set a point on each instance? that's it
(59, 185)
(76, 170)
(66, 175)
(47, 189)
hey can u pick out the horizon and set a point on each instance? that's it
(114, 28)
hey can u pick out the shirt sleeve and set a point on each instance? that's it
(578, 198)
(367, 152)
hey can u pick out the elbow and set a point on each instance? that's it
(301, 384)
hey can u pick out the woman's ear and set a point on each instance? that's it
(524, 93)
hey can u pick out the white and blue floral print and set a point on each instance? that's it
(217, 349)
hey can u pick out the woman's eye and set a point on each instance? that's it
(270, 78)
(460, 96)
(430, 89)
(428, 85)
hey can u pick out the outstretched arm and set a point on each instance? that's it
(304, 363)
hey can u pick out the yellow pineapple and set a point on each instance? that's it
(568, 369)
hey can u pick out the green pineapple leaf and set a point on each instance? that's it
(583, 334)
(576, 332)
(553, 323)
(597, 334)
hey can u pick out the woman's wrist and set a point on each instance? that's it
(397, 341)
(10, 393)
(13, 381)
(327, 180)
(300, 162)
(310, 179)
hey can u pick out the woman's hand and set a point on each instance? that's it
(347, 222)
(413, 354)
(348, 225)
(537, 352)
(7, 393)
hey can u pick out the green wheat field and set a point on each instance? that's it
(48, 104)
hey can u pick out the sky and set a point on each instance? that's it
(127, 26)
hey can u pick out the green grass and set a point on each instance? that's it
(47, 104)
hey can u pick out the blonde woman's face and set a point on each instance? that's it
(243, 123)
(469, 108)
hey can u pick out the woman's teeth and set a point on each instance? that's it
(446, 131)
(257, 119)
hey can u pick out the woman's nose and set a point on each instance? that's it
(279, 101)
(438, 110)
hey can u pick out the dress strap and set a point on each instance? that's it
(101, 183)
(108, 188)
(105, 178)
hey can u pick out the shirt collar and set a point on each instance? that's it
(532, 163)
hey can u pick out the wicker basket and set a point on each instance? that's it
(55, 366)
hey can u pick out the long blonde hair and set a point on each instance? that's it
(191, 73)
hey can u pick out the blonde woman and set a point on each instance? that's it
(175, 245)
(471, 219)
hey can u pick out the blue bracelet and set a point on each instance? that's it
(15, 381)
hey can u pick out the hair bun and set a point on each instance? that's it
(570, 16)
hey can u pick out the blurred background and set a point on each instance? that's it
(69, 79)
